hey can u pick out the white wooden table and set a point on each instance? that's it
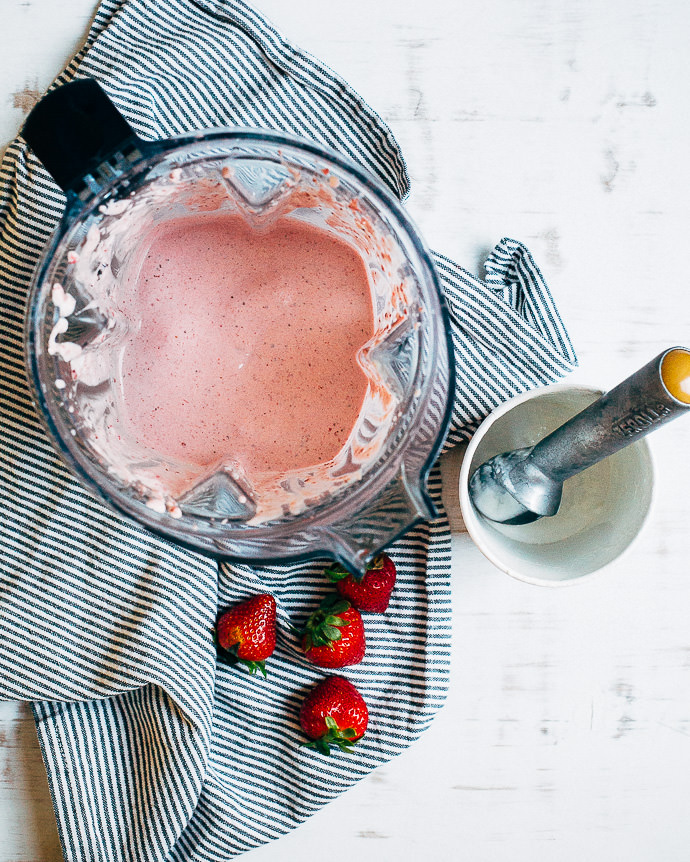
(563, 123)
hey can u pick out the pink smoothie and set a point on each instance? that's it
(247, 343)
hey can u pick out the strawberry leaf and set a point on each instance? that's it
(229, 656)
(334, 603)
(342, 739)
(324, 624)
(336, 573)
(321, 745)
(253, 666)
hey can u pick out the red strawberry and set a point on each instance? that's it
(333, 713)
(248, 631)
(334, 634)
(373, 591)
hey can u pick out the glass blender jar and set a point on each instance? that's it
(119, 189)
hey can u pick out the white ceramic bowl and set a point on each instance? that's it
(603, 507)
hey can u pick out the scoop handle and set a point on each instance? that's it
(634, 408)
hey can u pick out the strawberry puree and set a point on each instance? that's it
(242, 343)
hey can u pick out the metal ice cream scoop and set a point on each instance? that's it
(524, 485)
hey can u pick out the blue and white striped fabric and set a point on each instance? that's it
(153, 750)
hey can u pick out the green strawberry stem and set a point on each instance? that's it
(231, 657)
(336, 572)
(253, 666)
(343, 739)
(324, 624)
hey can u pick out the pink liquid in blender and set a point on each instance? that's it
(246, 346)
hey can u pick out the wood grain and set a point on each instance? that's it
(27, 825)
(564, 124)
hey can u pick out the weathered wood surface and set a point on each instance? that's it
(563, 124)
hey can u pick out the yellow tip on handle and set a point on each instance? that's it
(675, 373)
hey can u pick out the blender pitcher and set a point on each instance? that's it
(119, 188)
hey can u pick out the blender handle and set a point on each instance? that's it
(80, 136)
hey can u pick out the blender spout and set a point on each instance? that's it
(402, 504)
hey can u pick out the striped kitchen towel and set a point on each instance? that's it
(154, 751)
